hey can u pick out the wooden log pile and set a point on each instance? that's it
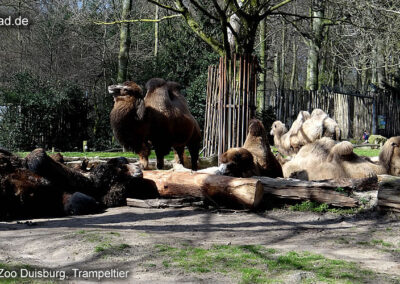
(249, 192)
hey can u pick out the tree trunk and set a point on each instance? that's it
(277, 70)
(314, 44)
(263, 62)
(380, 62)
(325, 192)
(156, 33)
(243, 191)
(124, 43)
(293, 79)
(283, 56)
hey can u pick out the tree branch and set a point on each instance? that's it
(203, 10)
(165, 6)
(137, 20)
(195, 26)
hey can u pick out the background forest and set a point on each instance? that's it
(54, 73)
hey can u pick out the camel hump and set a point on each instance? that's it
(155, 83)
(318, 112)
(343, 148)
(173, 86)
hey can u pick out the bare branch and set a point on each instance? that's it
(137, 20)
(165, 6)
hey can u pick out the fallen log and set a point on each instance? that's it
(163, 203)
(220, 189)
(389, 193)
(329, 192)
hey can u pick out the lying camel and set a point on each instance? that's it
(326, 159)
(254, 158)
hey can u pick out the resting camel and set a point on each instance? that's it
(324, 159)
(254, 158)
(305, 130)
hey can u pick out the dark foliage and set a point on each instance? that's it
(42, 114)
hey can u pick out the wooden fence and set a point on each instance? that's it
(376, 112)
(231, 103)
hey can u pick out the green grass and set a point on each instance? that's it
(105, 243)
(168, 157)
(358, 151)
(367, 153)
(258, 264)
(311, 206)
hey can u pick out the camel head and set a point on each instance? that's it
(278, 128)
(127, 97)
(125, 90)
(256, 128)
(390, 156)
(236, 162)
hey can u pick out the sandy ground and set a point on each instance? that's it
(68, 243)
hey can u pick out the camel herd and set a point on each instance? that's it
(314, 151)
(311, 149)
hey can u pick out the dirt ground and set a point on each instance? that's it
(72, 242)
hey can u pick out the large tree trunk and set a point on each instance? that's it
(124, 43)
(293, 75)
(314, 44)
(156, 24)
(277, 70)
(263, 62)
(283, 56)
(324, 192)
(220, 189)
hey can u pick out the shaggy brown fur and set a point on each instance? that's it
(262, 162)
(128, 121)
(58, 158)
(161, 117)
(324, 159)
(39, 186)
(237, 162)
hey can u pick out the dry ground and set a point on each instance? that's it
(126, 238)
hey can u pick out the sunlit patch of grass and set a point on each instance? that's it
(258, 264)
(367, 152)
(168, 157)
(381, 243)
(317, 207)
(105, 243)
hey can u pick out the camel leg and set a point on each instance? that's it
(144, 156)
(160, 160)
(194, 155)
(179, 151)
